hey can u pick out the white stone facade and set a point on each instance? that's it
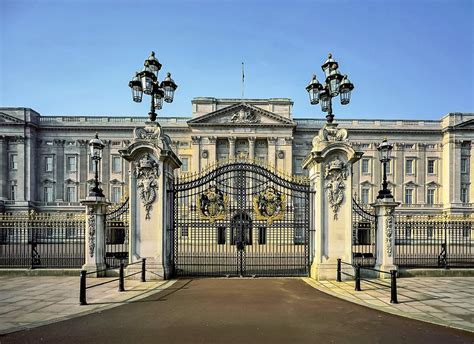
(44, 161)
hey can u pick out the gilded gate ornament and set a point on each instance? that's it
(212, 204)
(269, 205)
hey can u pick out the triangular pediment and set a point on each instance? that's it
(7, 119)
(465, 125)
(241, 114)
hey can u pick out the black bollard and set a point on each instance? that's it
(82, 291)
(143, 269)
(121, 278)
(357, 278)
(393, 286)
(339, 270)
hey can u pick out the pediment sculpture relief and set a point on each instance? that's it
(245, 116)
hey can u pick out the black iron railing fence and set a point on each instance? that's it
(434, 241)
(42, 240)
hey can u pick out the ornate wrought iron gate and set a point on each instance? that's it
(116, 234)
(241, 219)
(364, 226)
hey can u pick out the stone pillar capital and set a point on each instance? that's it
(272, 140)
(232, 139)
(252, 139)
(212, 139)
(195, 140)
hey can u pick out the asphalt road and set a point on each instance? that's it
(240, 311)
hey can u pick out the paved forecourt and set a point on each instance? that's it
(235, 310)
(27, 302)
(447, 301)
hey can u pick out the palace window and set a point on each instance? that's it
(185, 165)
(116, 194)
(13, 161)
(48, 164)
(13, 191)
(116, 164)
(48, 194)
(430, 196)
(465, 194)
(464, 165)
(364, 195)
(71, 194)
(409, 166)
(71, 164)
(431, 166)
(408, 196)
(365, 165)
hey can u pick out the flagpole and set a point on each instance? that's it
(242, 85)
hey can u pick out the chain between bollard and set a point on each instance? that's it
(393, 286)
(82, 291)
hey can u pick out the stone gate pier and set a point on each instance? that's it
(330, 166)
(152, 165)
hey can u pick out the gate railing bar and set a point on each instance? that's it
(358, 279)
(83, 279)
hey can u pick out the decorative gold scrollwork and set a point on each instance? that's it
(269, 205)
(212, 204)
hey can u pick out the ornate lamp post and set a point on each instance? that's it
(147, 82)
(96, 146)
(335, 84)
(385, 150)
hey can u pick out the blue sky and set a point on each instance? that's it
(407, 59)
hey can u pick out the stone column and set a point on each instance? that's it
(105, 168)
(83, 171)
(330, 170)
(272, 151)
(212, 150)
(385, 236)
(59, 168)
(196, 158)
(96, 208)
(152, 164)
(471, 173)
(288, 159)
(232, 148)
(252, 148)
(3, 168)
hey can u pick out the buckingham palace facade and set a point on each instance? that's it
(45, 162)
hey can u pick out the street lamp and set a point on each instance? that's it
(385, 150)
(334, 85)
(96, 146)
(147, 82)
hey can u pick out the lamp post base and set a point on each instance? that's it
(152, 116)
